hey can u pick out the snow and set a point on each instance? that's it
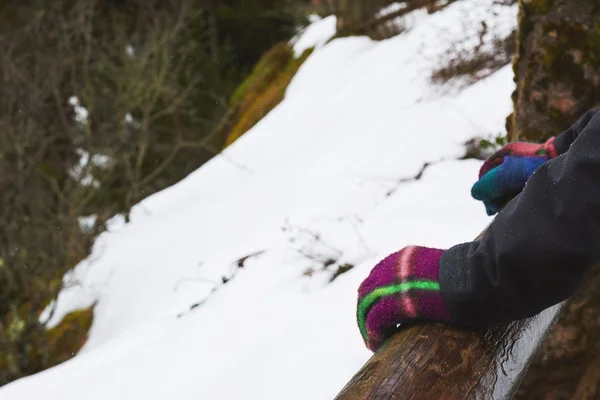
(130, 50)
(391, 9)
(81, 113)
(87, 222)
(81, 170)
(315, 35)
(327, 174)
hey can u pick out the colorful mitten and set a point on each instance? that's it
(505, 173)
(404, 286)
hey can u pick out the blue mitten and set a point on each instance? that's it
(505, 173)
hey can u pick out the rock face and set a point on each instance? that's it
(557, 70)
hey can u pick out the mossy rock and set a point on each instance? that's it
(262, 74)
(69, 336)
(264, 88)
(32, 349)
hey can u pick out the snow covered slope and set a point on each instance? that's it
(325, 177)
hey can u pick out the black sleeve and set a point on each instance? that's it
(566, 138)
(538, 249)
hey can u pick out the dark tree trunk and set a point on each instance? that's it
(350, 13)
(361, 17)
(557, 67)
(353, 15)
(557, 70)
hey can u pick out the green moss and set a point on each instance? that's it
(15, 327)
(267, 67)
(67, 338)
(31, 348)
(7, 364)
(264, 89)
(548, 58)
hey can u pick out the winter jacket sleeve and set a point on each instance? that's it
(565, 139)
(538, 249)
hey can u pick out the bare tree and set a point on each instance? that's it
(103, 103)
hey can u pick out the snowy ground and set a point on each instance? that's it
(325, 176)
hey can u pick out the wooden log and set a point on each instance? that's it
(434, 361)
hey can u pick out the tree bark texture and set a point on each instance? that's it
(557, 66)
(568, 363)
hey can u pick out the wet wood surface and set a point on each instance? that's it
(435, 361)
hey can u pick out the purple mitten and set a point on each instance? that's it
(403, 286)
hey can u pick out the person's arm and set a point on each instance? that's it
(566, 138)
(538, 249)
